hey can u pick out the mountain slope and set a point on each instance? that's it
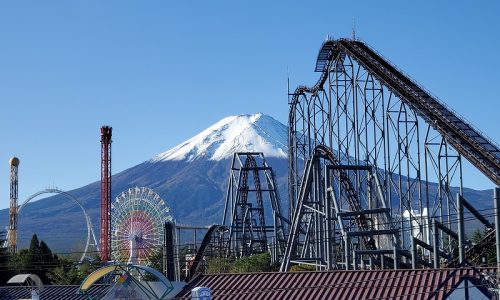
(191, 177)
(244, 133)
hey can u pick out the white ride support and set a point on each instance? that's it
(90, 228)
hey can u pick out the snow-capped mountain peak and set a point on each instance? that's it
(243, 133)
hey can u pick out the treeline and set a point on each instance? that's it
(251, 264)
(38, 259)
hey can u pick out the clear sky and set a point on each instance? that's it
(161, 71)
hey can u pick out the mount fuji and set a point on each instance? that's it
(191, 177)
(244, 133)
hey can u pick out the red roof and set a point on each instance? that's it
(376, 284)
(52, 292)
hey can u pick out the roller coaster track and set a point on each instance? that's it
(468, 141)
(476, 147)
(352, 199)
(199, 254)
(250, 163)
(361, 220)
(475, 253)
(483, 153)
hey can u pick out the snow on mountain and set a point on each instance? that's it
(251, 133)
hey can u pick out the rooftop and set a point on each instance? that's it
(376, 284)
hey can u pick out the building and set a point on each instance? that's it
(435, 284)
(377, 284)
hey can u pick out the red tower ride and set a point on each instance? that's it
(105, 238)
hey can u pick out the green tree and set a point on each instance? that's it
(5, 273)
(477, 236)
(253, 264)
(64, 275)
(156, 260)
(45, 252)
(219, 265)
(20, 262)
(70, 273)
(34, 249)
(301, 268)
(37, 259)
(490, 253)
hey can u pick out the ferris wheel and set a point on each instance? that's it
(138, 216)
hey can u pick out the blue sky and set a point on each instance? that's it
(161, 71)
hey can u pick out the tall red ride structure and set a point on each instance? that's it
(105, 238)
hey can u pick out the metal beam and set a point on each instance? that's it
(496, 199)
(476, 214)
(345, 214)
(461, 230)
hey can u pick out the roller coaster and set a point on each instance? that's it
(365, 144)
(375, 173)
(90, 238)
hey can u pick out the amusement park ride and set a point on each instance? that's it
(105, 236)
(251, 191)
(365, 143)
(137, 225)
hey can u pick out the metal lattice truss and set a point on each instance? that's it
(138, 216)
(331, 226)
(252, 191)
(13, 210)
(90, 238)
(374, 117)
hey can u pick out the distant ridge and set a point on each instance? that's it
(191, 177)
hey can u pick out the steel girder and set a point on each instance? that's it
(370, 114)
(251, 191)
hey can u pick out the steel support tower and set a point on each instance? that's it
(252, 191)
(12, 234)
(373, 116)
(330, 228)
(105, 237)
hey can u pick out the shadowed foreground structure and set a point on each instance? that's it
(379, 284)
(53, 292)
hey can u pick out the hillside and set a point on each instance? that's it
(192, 177)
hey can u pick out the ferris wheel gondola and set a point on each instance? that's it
(138, 216)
